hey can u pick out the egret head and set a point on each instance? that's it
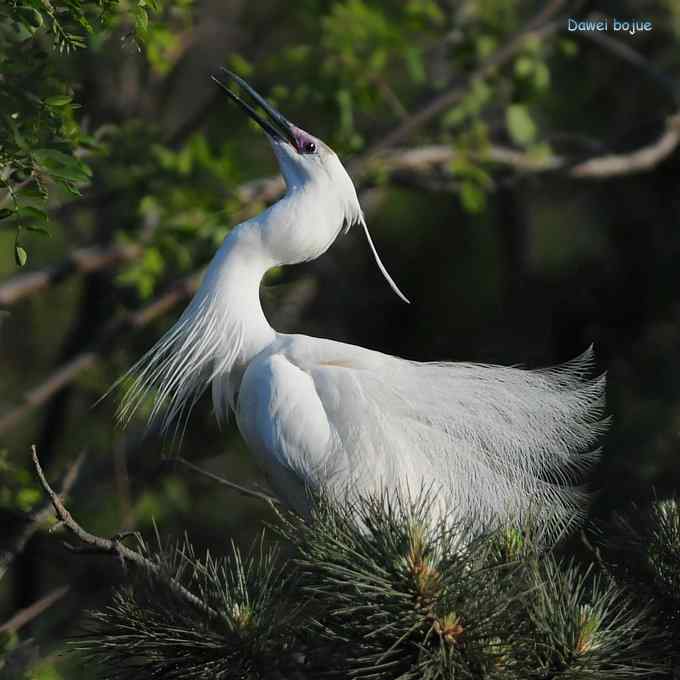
(305, 159)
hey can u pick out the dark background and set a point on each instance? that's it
(511, 263)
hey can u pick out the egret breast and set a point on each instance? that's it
(284, 423)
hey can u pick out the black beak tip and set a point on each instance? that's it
(284, 133)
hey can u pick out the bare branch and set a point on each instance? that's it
(641, 160)
(114, 547)
(244, 491)
(40, 517)
(82, 260)
(69, 371)
(437, 157)
(24, 616)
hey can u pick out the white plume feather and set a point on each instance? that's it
(498, 443)
(381, 266)
(202, 345)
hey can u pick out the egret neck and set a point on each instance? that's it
(291, 231)
(232, 285)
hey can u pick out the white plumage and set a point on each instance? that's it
(492, 442)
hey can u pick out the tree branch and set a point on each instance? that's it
(69, 371)
(97, 257)
(24, 616)
(641, 160)
(539, 27)
(244, 491)
(39, 517)
(97, 544)
(439, 157)
(83, 260)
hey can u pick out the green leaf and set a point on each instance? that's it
(520, 125)
(415, 65)
(58, 100)
(486, 45)
(39, 229)
(31, 18)
(141, 21)
(568, 47)
(62, 165)
(20, 255)
(27, 498)
(5, 213)
(472, 197)
(541, 76)
(29, 212)
(524, 66)
(240, 65)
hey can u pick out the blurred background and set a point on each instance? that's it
(521, 181)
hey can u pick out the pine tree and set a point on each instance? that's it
(378, 590)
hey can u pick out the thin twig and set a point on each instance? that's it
(39, 517)
(11, 190)
(538, 27)
(244, 491)
(627, 53)
(24, 616)
(98, 544)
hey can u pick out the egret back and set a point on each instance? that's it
(496, 443)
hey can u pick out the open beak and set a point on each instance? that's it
(274, 124)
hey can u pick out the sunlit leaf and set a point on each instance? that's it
(20, 255)
(58, 100)
(520, 125)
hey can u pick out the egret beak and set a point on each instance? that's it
(275, 124)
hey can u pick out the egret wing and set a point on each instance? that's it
(493, 441)
(496, 441)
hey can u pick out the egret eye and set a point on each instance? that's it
(308, 147)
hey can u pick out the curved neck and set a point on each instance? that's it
(234, 279)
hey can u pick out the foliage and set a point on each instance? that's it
(644, 551)
(114, 102)
(378, 589)
(42, 142)
(148, 631)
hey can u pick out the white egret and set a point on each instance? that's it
(493, 441)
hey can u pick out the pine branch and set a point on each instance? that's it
(148, 632)
(99, 545)
(384, 589)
